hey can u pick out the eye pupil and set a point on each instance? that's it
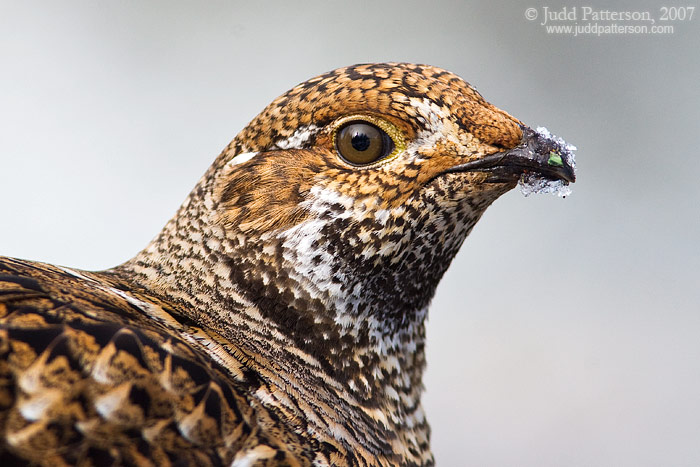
(361, 143)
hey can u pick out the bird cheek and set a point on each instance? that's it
(432, 163)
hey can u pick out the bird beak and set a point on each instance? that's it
(538, 152)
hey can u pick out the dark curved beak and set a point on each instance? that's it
(538, 152)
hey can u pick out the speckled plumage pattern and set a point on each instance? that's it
(278, 318)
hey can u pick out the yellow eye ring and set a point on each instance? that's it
(365, 140)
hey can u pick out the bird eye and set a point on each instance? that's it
(361, 143)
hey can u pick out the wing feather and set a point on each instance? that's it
(87, 378)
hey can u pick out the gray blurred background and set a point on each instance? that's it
(566, 332)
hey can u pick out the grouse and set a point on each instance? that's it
(278, 317)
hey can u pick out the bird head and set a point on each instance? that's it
(378, 136)
(337, 210)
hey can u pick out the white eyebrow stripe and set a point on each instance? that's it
(241, 158)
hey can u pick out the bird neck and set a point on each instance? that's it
(296, 289)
